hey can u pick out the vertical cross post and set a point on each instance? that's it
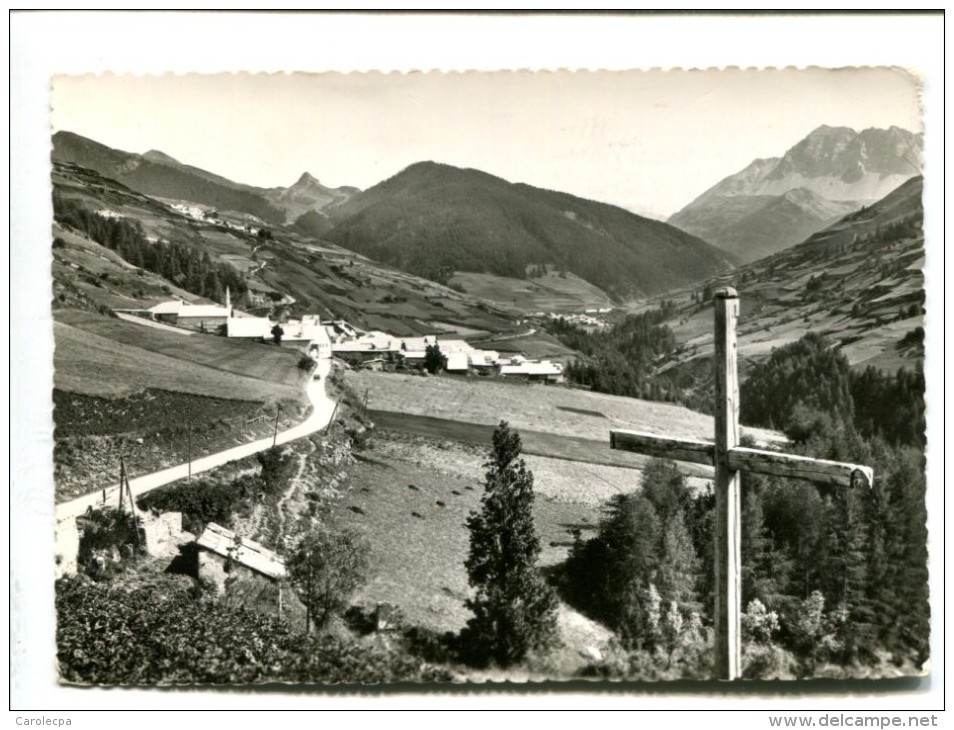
(728, 543)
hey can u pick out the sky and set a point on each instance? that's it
(649, 141)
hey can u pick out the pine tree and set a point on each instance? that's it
(514, 609)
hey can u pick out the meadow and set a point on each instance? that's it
(98, 355)
(541, 408)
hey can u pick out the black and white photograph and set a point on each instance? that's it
(465, 378)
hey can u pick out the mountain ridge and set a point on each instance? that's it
(845, 168)
(432, 218)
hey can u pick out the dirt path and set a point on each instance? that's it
(294, 483)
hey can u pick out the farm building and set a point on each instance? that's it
(454, 346)
(221, 554)
(534, 371)
(203, 317)
(249, 328)
(166, 311)
(483, 361)
(369, 346)
(457, 362)
(321, 343)
(417, 344)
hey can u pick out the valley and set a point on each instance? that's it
(355, 436)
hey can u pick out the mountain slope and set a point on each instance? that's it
(98, 267)
(432, 220)
(859, 282)
(754, 226)
(834, 170)
(159, 175)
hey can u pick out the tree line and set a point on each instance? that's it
(180, 263)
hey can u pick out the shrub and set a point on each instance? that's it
(108, 534)
(168, 633)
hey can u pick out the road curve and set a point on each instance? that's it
(323, 408)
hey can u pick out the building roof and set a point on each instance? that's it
(249, 553)
(449, 346)
(171, 307)
(248, 327)
(417, 344)
(203, 310)
(369, 342)
(457, 361)
(544, 367)
(483, 357)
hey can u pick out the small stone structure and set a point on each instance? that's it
(221, 553)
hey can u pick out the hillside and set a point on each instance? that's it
(158, 175)
(433, 220)
(777, 202)
(297, 273)
(859, 282)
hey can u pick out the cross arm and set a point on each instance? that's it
(758, 461)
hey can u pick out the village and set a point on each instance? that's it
(370, 350)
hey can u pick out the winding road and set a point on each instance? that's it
(323, 408)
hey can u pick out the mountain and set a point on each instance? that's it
(104, 258)
(859, 282)
(777, 202)
(308, 196)
(159, 175)
(432, 219)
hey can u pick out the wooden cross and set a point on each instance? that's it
(729, 460)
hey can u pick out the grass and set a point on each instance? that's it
(93, 364)
(418, 546)
(273, 366)
(550, 293)
(530, 407)
(536, 346)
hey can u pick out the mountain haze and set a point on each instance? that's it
(433, 219)
(777, 202)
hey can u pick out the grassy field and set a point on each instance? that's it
(537, 408)
(94, 364)
(411, 497)
(550, 293)
(254, 360)
(576, 459)
(537, 345)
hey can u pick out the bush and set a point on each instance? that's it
(169, 634)
(108, 535)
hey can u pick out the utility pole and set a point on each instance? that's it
(189, 453)
(122, 479)
(278, 414)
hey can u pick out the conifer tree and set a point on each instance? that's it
(514, 609)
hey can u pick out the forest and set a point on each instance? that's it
(620, 360)
(180, 263)
(834, 581)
